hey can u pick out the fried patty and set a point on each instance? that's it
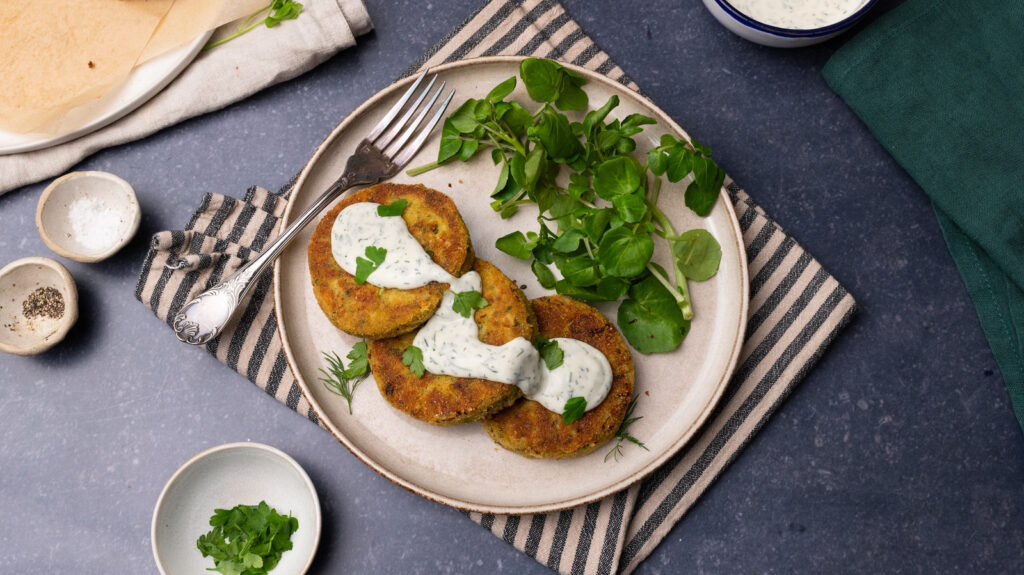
(374, 312)
(447, 400)
(529, 429)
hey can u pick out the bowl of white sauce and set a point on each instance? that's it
(788, 23)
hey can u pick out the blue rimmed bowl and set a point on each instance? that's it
(756, 31)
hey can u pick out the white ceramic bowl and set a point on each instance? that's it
(767, 35)
(22, 335)
(120, 212)
(221, 478)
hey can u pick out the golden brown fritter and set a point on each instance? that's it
(373, 312)
(447, 400)
(529, 429)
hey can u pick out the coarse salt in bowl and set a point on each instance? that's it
(788, 23)
(87, 216)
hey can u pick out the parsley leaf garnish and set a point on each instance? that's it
(467, 301)
(574, 409)
(552, 355)
(247, 539)
(623, 435)
(276, 12)
(413, 358)
(364, 267)
(395, 208)
(343, 381)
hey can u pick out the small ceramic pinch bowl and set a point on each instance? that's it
(745, 26)
(87, 216)
(39, 329)
(221, 478)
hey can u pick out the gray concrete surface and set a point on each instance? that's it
(898, 454)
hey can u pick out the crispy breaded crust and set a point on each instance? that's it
(447, 400)
(529, 429)
(373, 312)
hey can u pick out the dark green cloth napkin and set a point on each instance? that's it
(940, 83)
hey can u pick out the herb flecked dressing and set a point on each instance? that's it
(798, 14)
(450, 342)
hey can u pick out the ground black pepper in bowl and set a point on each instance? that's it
(44, 301)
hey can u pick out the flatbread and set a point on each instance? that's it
(61, 54)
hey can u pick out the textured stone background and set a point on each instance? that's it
(899, 453)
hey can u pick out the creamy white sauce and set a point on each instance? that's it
(450, 342)
(451, 345)
(406, 265)
(585, 372)
(798, 14)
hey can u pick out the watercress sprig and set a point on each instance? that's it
(599, 229)
(276, 12)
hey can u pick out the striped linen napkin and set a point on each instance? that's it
(796, 310)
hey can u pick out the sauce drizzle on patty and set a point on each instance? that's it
(449, 341)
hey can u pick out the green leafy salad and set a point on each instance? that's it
(597, 228)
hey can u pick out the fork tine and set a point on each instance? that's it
(408, 132)
(416, 144)
(397, 127)
(383, 124)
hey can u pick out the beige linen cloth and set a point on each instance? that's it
(796, 310)
(216, 78)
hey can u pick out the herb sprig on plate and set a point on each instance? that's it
(342, 381)
(623, 435)
(599, 228)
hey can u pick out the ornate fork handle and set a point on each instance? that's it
(205, 317)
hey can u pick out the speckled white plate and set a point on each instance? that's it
(221, 478)
(461, 466)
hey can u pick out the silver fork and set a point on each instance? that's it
(381, 155)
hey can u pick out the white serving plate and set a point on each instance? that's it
(461, 466)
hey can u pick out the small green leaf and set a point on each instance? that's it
(542, 78)
(395, 208)
(574, 410)
(578, 270)
(631, 207)
(616, 176)
(571, 98)
(705, 188)
(467, 301)
(451, 142)
(595, 117)
(502, 90)
(657, 162)
(552, 355)
(365, 267)
(569, 241)
(624, 253)
(412, 357)
(469, 147)
(515, 245)
(698, 254)
(553, 131)
(360, 365)
(517, 118)
(651, 319)
(463, 118)
(544, 276)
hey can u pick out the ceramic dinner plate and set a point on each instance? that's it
(461, 466)
(142, 83)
